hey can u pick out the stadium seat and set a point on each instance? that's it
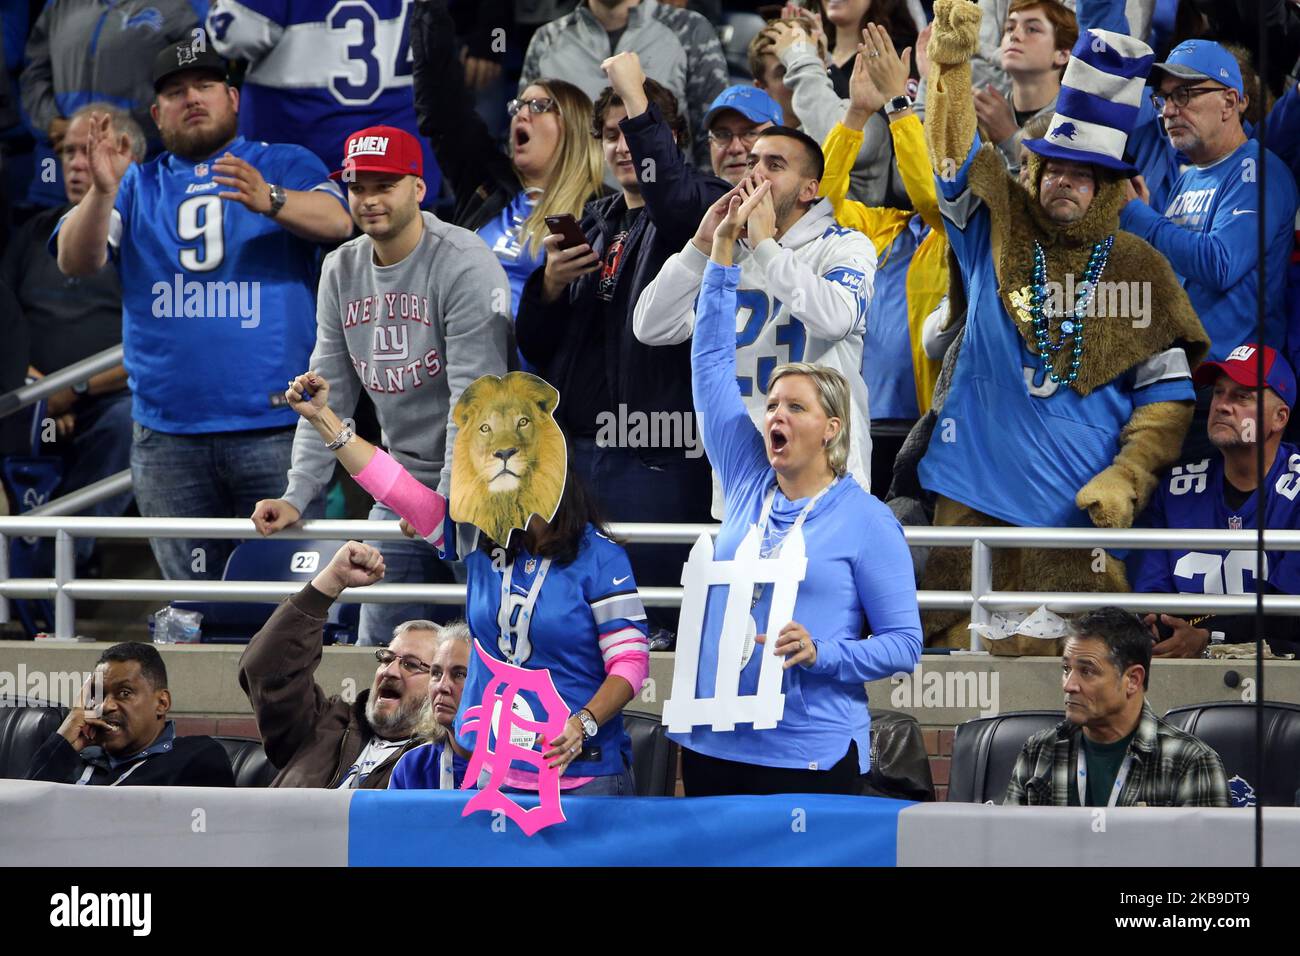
(654, 756)
(249, 761)
(900, 767)
(984, 752)
(1229, 728)
(270, 559)
(738, 30)
(24, 725)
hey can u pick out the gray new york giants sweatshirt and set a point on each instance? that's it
(413, 335)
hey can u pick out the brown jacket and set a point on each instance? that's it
(312, 738)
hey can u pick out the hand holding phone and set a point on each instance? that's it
(566, 227)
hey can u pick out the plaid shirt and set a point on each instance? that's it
(1170, 768)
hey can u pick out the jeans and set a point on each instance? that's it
(216, 475)
(409, 561)
(673, 490)
(609, 785)
(100, 448)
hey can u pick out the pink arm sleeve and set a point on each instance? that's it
(633, 667)
(389, 483)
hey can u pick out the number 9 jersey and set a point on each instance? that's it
(1192, 496)
(218, 302)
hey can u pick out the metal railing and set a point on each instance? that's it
(981, 600)
(20, 398)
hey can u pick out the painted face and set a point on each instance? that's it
(383, 204)
(796, 428)
(1193, 127)
(1066, 190)
(780, 161)
(401, 686)
(447, 680)
(614, 147)
(135, 711)
(1029, 43)
(1094, 688)
(731, 137)
(196, 113)
(535, 137)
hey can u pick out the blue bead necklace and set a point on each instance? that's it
(1072, 326)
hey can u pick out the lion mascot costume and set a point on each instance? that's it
(1057, 415)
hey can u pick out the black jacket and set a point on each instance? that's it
(191, 762)
(482, 177)
(644, 378)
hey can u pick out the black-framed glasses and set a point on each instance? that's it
(539, 104)
(722, 138)
(1182, 95)
(409, 664)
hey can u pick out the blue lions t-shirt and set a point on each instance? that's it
(218, 302)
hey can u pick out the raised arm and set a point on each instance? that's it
(84, 234)
(950, 109)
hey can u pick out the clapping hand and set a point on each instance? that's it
(996, 117)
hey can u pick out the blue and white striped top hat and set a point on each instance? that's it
(1101, 93)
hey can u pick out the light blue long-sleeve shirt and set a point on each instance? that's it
(859, 578)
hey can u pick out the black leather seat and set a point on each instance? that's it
(900, 767)
(654, 756)
(984, 752)
(24, 725)
(1229, 728)
(249, 761)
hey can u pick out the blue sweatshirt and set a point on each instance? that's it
(859, 578)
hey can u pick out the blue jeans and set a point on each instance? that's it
(610, 785)
(409, 561)
(217, 475)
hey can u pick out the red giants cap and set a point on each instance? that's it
(1241, 366)
(381, 149)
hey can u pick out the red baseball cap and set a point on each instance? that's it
(381, 149)
(1241, 366)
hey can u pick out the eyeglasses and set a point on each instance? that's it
(1182, 95)
(411, 665)
(722, 138)
(542, 104)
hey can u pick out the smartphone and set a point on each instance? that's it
(566, 227)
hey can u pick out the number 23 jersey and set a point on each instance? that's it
(1191, 496)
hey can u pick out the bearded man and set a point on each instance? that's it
(1073, 385)
(215, 244)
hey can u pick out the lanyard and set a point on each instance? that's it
(766, 514)
(446, 779)
(1081, 777)
(519, 649)
(90, 769)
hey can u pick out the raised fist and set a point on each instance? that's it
(956, 31)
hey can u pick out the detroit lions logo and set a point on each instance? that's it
(1240, 793)
(1063, 131)
(149, 18)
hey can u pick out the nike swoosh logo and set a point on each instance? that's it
(621, 580)
(1238, 212)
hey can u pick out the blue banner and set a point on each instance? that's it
(424, 827)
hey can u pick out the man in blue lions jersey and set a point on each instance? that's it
(214, 242)
(1220, 492)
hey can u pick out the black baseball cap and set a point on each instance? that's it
(178, 57)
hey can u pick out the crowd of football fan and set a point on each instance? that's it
(186, 178)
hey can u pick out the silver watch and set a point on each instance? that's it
(278, 198)
(589, 725)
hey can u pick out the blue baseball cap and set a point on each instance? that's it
(750, 102)
(1202, 60)
(1241, 366)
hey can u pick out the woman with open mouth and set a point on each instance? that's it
(855, 614)
(554, 166)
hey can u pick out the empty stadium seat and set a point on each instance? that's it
(249, 761)
(984, 753)
(900, 767)
(270, 559)
(1229, 728)
(24, 725)
(654, 756)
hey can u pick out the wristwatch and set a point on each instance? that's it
(278, 197)
(898, 103)
(81, 388)
(589, 725)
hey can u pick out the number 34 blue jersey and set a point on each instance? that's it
(1191, 496)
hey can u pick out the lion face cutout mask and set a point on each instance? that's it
(509, 460)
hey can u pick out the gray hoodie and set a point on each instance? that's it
(414, 334)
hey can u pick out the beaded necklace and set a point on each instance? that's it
(1072, 325)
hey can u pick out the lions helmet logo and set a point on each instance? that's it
(1063, 131)
(1240, 793)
